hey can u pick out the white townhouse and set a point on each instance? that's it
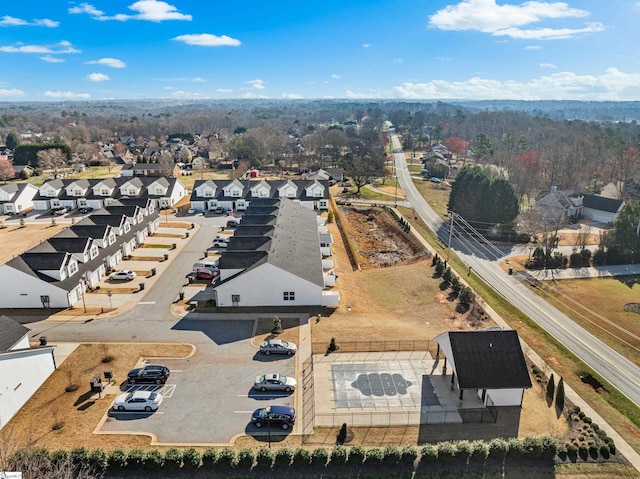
(236, 195)
(17, 198)
(24, 369)
(274, 260)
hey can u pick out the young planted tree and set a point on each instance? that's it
(551, 387)
(560, 395)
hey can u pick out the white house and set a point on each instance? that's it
(601, 209)
(16, 198)
(238, 194)
(276, 263)
(24, 369)
(488, 363)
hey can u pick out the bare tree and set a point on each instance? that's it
(166, 163)
(52, 159)
(542, 225)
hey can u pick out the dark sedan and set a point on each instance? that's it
(149, 374)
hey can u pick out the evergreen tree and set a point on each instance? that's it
(560, 395)
(551, 387)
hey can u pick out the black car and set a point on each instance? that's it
(282, 416)
(219, 210)
(149, 374)
(85, 209)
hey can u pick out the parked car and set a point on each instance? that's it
(138, 401)
(278, 346)
(275, 382)
(435, 179)
(219, 210)
(191, 211)
(122, 275)
(60, 210)
(206, 274)
(220, 242)
(282, 416)
(153, 373)
(85, 209)
(233, 223)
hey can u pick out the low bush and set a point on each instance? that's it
(446, 451)
(173, 458)
(498, 448)
(209, 457)
(339, 455)
(356, 455)
(97, 459)
(117, 459)
(301, 457)
(604, 451)
(479, 451)
(246, 458)
(264, 458)
(226, 459)
(319, 457)
(428, 454)
(136, 457)
(392, 454)
(374, 456)
(154, 459)
(408, 454)
(463, 451)
(191, 458)
(283, 458)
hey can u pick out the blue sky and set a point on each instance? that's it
(314, 49)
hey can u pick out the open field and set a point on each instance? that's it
(597, 305)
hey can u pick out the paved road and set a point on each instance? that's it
(620, 372)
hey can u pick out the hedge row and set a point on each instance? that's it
(101, 461)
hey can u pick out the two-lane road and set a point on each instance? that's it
(619, 371)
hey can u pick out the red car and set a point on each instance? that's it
(205, 274)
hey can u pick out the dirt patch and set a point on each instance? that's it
(380, 238)
(16, 239)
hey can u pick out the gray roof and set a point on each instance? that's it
(601, 203)
(249, 243)
(12, 332)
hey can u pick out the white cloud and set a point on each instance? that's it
(97, 77)
(149, 10)
(505, 20)
(533, 47)
(224, 90)
(366, 45)
(86, 8)
(66, 94)
(547, 65)
(292, 96)
(50, 59)
(335, 77)
(371, 93)
(108, 62)
(186, 94)
(398, 60)
(12, 92)
(257, 84)
(8, 21)
(45, 22)
(60, 48)
(208, 40)
(198, 80)
(253, 96)
(612, 85)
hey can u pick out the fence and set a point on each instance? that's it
(308, 403)
(388, 418)
(377, 346)
(485, 414)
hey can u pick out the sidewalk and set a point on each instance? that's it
(590, 272)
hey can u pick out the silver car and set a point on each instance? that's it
(275, 382)
(138, 401)
(278, 346)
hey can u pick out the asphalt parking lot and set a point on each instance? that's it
(209, 397)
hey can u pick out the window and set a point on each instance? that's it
(289, 296)
(77, 192)
(104, 192)
(208, 193)
(73, 267)
(235, 298)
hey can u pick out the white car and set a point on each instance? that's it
(220, 242)
(275, 382)
(123, 274)
(138, 401)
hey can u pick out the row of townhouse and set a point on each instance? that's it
(277, 256)
(57, 272)
(238, 194)
(89, 193)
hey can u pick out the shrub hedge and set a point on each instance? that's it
(115, 461)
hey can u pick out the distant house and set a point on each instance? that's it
(150, 169)
(24, 368)
(559, 205)
(488, 363)
(601, 209)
